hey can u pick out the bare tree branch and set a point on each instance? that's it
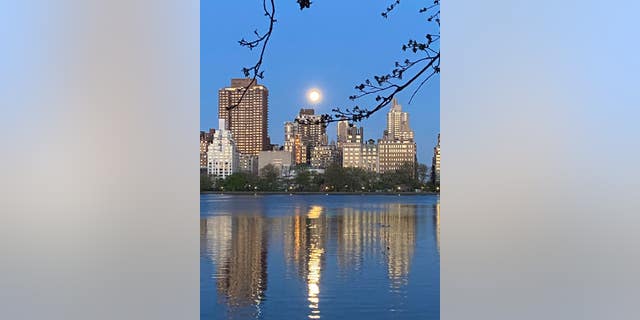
(255, 70)
(390, 84)
(385, 86)
(421, 84)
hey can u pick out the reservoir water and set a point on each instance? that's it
(319, 257)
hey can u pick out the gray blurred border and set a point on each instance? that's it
(540, 179)
(98, 196)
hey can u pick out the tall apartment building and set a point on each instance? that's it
(312, 131)
(249, 120)
(205, 140)
(304, 134)
(222, 155)
(435, 163)
(397, 146)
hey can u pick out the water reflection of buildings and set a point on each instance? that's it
(305, 248)
(238, 247)
(436, 216)
(387, 230)
(378, 237)
(215, 237)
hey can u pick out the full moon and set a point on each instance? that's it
(314, 95)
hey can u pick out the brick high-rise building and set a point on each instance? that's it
(249, 120)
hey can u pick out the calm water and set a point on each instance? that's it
(319, 257)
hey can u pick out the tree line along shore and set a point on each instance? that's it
(335, 180)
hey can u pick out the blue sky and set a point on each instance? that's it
(332, 46)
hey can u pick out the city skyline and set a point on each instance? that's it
(305, 139)
(295, 64)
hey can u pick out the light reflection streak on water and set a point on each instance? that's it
(314, 265)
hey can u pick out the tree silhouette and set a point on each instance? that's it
(409, 73)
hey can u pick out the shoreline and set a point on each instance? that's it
(321, 193)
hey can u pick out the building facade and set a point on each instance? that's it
(348, 133)
(393, 154)
(282, 160)
(351, 155)
(292, 141)
(358, 155)
(435, 164)
(222, 155)
(205, 141)
(248, 121)
(323, 156)
(248, 163)
(370, 160)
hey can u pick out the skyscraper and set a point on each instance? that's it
(397, 146)
(249, 120)
(398, 123)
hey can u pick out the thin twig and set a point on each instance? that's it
(265, 40)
